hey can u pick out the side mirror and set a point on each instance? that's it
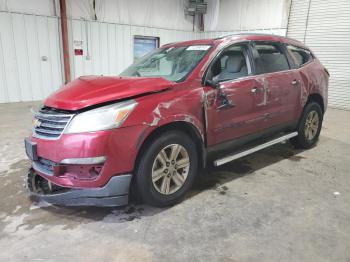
(212, 83)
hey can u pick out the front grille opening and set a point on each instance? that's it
(50, 123)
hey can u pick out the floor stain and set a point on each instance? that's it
(19, 212)
(241, 167)
(222, 190)
(296, 158)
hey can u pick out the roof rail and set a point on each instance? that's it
(238, 34)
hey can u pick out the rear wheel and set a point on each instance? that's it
(309, 127)
(167, 169)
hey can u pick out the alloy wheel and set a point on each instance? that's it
(170, 169)
(311, 125)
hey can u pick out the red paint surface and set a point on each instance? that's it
(188, 101)
(114, 144)
(91, 90)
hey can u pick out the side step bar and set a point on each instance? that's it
(249, 151)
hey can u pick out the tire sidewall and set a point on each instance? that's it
(144, 184)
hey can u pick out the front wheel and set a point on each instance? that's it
(167, 169)
(309, 127)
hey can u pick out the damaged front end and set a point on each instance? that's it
(44, 175)
(114, 193)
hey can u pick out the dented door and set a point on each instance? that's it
(283, 93)
(235, 110)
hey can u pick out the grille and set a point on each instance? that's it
(50, 123)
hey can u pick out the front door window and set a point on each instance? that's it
(233, 63)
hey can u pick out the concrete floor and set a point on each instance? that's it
(279, 204)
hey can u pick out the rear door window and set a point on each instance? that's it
(269, 58)
(301, 56)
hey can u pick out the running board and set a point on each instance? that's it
(249, 151)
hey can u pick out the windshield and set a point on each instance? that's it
(171, 63)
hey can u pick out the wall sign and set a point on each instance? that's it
(78, 47)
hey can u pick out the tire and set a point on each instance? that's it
(158, 177)
(308, 130)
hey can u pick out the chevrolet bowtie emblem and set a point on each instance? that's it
(36, 123)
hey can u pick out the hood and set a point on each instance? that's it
(91, 90)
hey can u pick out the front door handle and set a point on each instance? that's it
(255, 90)
(226, 103)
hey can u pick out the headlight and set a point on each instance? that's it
(102, 118)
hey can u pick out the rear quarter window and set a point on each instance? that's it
(300, 56)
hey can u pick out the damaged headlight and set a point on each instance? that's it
(102, 118)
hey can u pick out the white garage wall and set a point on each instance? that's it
(108, 47)
(37, 7)
(168, 14)
(241, 15)
(325, 27)
(25, 41)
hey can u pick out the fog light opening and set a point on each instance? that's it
(80, 172)
(39, 185)
(95, 171)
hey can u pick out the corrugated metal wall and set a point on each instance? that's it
(108, 47)
(25, 41)
(325, 27)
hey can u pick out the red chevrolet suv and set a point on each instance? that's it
(152, 128)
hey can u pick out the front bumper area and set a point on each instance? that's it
(114, 193)
(90, 168)
(118, 146)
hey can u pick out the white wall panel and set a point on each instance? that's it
(167, 14)
(22, 55)
(324, 27)
(248, 14)
(33, 60)
(55, 53)
(9, 59)
(38, 7)
(3, 78)
(24, 40)
(44, 53)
